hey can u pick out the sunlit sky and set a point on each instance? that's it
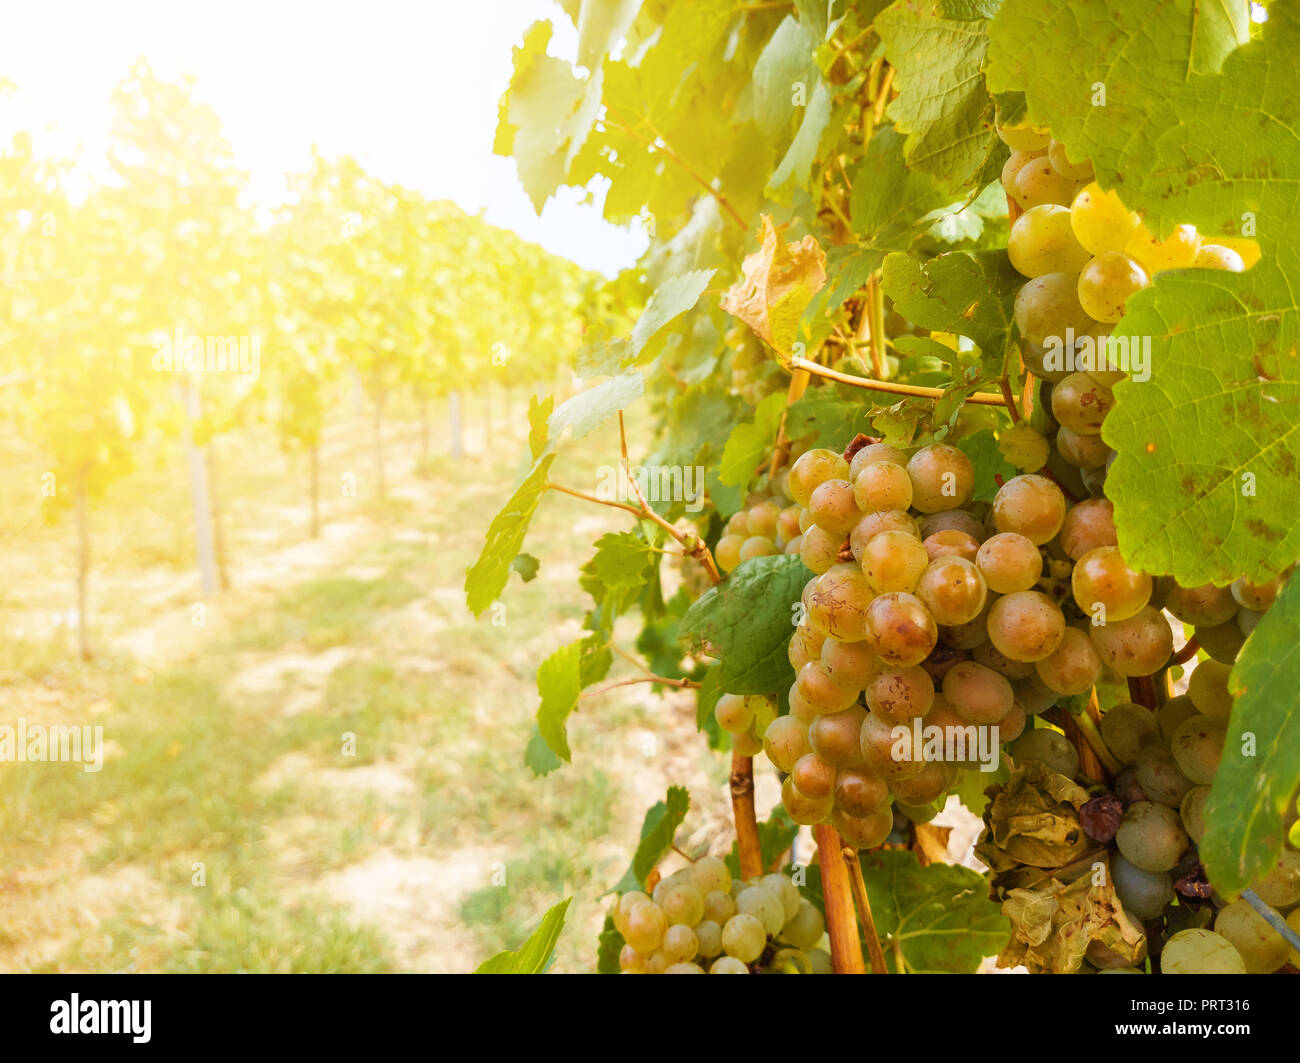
(409, 88)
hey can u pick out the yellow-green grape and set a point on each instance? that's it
(1080, 403)
(882, 752)
(1160, 777)
(834, 508)
(1029, 505)
(872, 524)
(817, 687)
(899, 695)
(802, 809)
(811, 470)
(928, 784)
(942, 478)
(624, 905)
(794, 546)
(1262, 948)
(733, 714)
(708, 937)
(874, 452)
(1216, 256)
(1280, 887)
(990, 657)
(1106, 588)
(1012, 725)
(882, 485)
(719, 905)
(836, 738)
(727, 552)
(683, 904)
(764, 709)
(1172, 713)
(739, 525)
(763, 519)
(860, 791)
(1126, 728)
(1035, 698)
(805, 928)
(1248, 249)
(1039, 182)
(1144, 894)
(1256, 596)
(820, 549)
(1024, 137)
(728, 965)
(1177, 251)
(1200, 952)
(1197, 746)
(1221, 641)
(951, 543)
(967, 636)
(1047, 306)
(1061, 163)
(1088, 526)
(1073, 667)
(1100, 220)
(630, 961)
(1191, 810)
(800, 649)
(646, 925)
(1083, 452)
(709, 873)
(953, 590)
(813, 776)
(863, 832)
(952, 520)
(743, 937)
(747, 744)
(976, 694)
(1050, 748)
(1011, 170)
(894, 561)
(1140, 645)
(1107, 281)
(1203, 605)
(764, 906)
(900, 629)
(757, 546)
(1042, 241)
(838, 601)
(1026, 626)
(787, 523)
(850, 664)
(784, 888)
(785, 741)
(1009, 561)
(680, 943)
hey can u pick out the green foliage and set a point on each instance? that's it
(534, 955)
(657, 829)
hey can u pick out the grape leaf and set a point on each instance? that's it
(618, 572)
(487, 577)
(969, 294)
(1245, 812)
(657, 830)
(539, 758)
(787, 58)
(534, 955)
(611, 944)
(539, 413)
(526, 565)
(745, 621)
(887, 196)
(601, 25)
(835, 417)
(671, 299)
(560, 679)
(940, 915)
(706, 697)
(779, 281)
(801, 154)
(751, 441)
(589, 409)
(942, 103)
(985, 454)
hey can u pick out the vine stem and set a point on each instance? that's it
(837, 894)
(1187, 652)
(1087, 725)
(854, 866)
(682, 684)
(981, 398)
(869, 327)
(798, 383)
(742, 809)
(592, 498)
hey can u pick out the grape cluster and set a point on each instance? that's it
(768, 525)
(700, 919)
(747, 718)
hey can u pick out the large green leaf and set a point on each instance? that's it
(1260, 769)
(751, 441)
(487, 577)
(560, 680)
(746, 622)
(534, 955)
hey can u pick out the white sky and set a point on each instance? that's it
(409, 87)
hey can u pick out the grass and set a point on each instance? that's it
(231, 800)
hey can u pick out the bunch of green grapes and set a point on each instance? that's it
(700, 920)
(1084, 253)
(769, 524)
